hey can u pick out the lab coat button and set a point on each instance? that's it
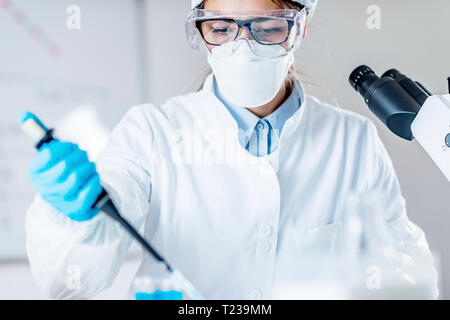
(265, 230)
(255, 294)
(264, 247)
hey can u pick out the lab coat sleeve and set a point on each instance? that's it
(412, 252)
(77, 260)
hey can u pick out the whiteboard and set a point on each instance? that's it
(51, 70)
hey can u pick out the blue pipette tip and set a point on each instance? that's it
(26, 115)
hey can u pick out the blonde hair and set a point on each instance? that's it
(293, 74)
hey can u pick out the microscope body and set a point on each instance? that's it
(431, 128)
(409, 110)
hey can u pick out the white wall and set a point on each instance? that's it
(412, 39)
(98, 65)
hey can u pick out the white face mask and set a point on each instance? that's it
(246, 72)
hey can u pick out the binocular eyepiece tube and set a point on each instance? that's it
(394, 98)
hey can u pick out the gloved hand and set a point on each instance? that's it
(62, 174)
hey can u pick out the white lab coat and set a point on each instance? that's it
(231, 222)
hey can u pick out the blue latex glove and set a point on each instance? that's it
(62, 174)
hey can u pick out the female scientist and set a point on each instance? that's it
(238, 185)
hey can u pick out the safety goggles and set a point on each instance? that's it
(267, 27)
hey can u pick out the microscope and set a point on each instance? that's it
(409, 110)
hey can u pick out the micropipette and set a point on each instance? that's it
(39, 133)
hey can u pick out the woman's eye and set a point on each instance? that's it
(220, 30)
(270, 31)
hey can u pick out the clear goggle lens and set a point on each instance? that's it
(270, 31)
(269, 27)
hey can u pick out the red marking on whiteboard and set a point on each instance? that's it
(55, 51)
(19, 16)
(35, 31)
(5, 3)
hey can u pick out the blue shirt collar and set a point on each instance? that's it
(247, 121)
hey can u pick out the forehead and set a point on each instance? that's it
(231, 5)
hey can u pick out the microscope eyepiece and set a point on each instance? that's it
(414, 89)
(394, 98)
(360, 76)
(393, 73)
